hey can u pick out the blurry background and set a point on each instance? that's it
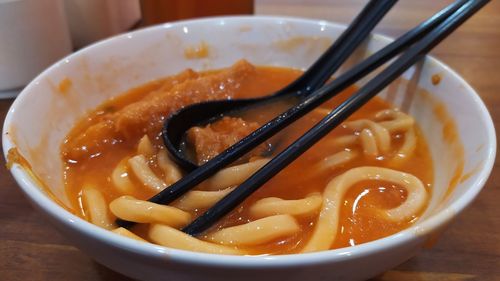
(92, 20)
(36, 33)
(33, 250)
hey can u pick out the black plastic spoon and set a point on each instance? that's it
(321, 70)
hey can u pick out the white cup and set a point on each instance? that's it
(93, 20)
(33, 35)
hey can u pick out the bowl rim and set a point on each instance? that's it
(441, 218)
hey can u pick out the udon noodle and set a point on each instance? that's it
(368, 179)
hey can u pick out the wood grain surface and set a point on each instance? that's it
(31, 249)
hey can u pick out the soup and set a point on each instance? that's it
(367, 179)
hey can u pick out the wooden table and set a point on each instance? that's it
(31, 249)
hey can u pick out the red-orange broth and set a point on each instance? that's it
(91, 154)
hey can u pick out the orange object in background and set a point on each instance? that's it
(159, 11)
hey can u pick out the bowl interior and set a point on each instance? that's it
(43, 114)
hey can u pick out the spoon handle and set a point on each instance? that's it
(331, 60)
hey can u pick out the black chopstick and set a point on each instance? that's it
(272, 127)
(266, 131)
(336, 55)
(334, 118)
(198, 175)
(330, 61)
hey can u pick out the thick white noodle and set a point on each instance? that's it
(169, 168)
(127, 233)
(344, 141)
(256, 232)
(369, 143)
(145, 147)
(381, 134)
(199, 199)
(338, 159)
(407, 148)
(234, 175)
(271, 206)
(170, 237)
(131, 209)
(120, 178)
(325, 231)
(334, 161)
(143, 172)
(96, 208)
(398, 121)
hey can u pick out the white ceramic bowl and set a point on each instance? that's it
(41, 117)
